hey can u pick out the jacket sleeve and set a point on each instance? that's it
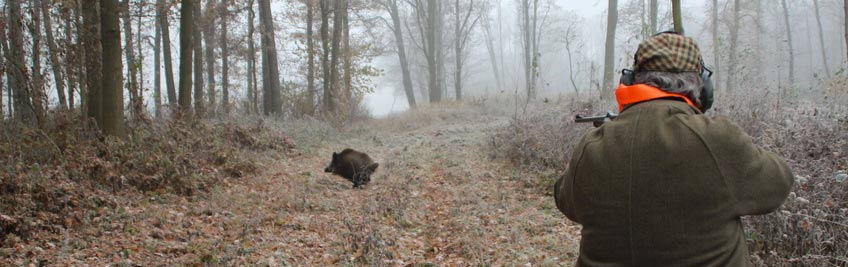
(759, 180)
(564, 187)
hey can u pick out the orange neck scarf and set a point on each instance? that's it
(632, 94)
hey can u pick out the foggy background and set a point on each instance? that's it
(766, 66)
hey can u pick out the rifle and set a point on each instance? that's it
(598, 120)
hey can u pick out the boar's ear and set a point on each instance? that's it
(373, 167)
(335, 155)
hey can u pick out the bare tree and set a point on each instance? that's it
(54, 58)
(391, 6)
(347, 57)
(140, 65)
(93, 65)
(493, 58)
(112, 95)
(441, 52)
(570, 37)
(609, 54)
(325, 56)
(37, 91)
(427, 18)
(225, 64)
(654, 8)
(157, 65)
(164, 20)
(821, 38)
(16, 72)
(251, 61)
(529, 23)
(734, 43)
(340, 5)
(270, 67)
(789, 42)
(676, 14)
(209, 39)
(462, 33)
(132, 64)
(186, 46)
(197, 35)
(73, 54)
(716, 43)
(4, 52)
(310, 53)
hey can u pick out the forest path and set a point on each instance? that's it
(437, 199)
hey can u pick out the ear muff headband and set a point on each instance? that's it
(628, 78)
(707, 89)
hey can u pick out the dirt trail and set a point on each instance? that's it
(436, 200)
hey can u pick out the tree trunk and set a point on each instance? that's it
(401, 51)
(270, 67)
(4, 46)
(93, 65)
(758, 51)
(571, 71)
(112, 95)
(734, 43)
(440, 50)
(209, 39)
(677, 14)
(251, 62)
(157, 65)
(845, 13)
(654, 7)
(310, 53)
(132, 63)
(609, 51)
(186, 46)
(457, 79)
(329, 106)
(821, 39)
(39, 98)
(225, 64)
(716, 43)
(433, 47)
(4, 52)
(164, 19)
(140, 68)
(493, 59)
(534, 48)
(347, 58)
(462, 30)
(54, 58)
(197, 48)
(73, 57)
(334, 52)
(789, 39)
(23, 109)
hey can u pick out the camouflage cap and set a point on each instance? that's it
(668, 52)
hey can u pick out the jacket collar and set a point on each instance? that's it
(631, 94)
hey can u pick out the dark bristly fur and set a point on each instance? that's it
(353, 165)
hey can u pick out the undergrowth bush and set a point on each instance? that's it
(48, 175)
(541, 139)
(811, 133)
(811, 228)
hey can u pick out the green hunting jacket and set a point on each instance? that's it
(664, 185)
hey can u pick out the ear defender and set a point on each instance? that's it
(627, 77)
(707, 89)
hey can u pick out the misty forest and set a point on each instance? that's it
(199, 132)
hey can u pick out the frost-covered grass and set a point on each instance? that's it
(810, 132)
